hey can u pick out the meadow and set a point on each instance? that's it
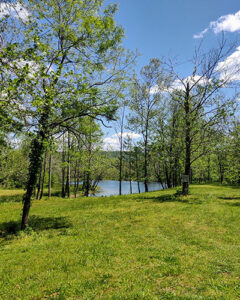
(156, 245)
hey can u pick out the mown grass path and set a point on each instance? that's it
(147, 246)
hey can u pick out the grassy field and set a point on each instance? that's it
(148, 246)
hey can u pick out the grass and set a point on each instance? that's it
(148, 246)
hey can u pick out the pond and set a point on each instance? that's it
(111, 187)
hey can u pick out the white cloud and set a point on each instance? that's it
(15, 10)
(34, 68)
(201, 34)
(230, 68)
(154, 89)
(230, 23)
(131, 135)
(192, 80)
(112, 143)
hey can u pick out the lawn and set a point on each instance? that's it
(149, 246)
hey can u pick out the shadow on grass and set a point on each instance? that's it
(173, 198)
(229, 198)
(36, 223)
(11, 198)
(53, 194)
(235, 204)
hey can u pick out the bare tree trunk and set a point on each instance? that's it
(35, 157)
(185, 186)
(49, 174)
(68, 169)
(221, 168)
(76, 178)
(120, 168)
(137, 169)
(168, 180)
(43, 176)
(130, 172)
(63, 168)
(39, 182)
(146, 160)
(87, 186)
(208, 169)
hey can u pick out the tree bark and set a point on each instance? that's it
(43, 176)
(137, 169)
(146, 160)
(120, 168)
(49, 175)
(39, 182)
(63, 168)
(68, 169)
(87, 186)
(130, 172)
(185, 186)
(35, 158)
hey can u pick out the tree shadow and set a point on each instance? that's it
(229, 198)
(173, 198)
(36, 223)
(53, 194)
(235, 187)
(11, 198)
(235, 204)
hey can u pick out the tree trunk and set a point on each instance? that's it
(39, 182)
(49, 175)
(185, 186)
(208, 171)
(146, 162)
(68, 169)
(137, 169)
(221, 168)
(43, 176)
(63, 169)
(120, 164)
(75, 179)
(87, 186)
(130, 175)
(35, 158)
(168, 177)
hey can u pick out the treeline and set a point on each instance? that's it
(74, 167)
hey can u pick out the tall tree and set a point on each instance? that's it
(202, 102)
(64, 65)
(146, 95)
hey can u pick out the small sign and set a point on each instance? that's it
(185, 178)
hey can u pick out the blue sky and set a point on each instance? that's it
(166, 27)
(174, 28)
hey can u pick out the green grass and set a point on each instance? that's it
(147, 246)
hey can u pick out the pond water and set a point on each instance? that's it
(111, 187)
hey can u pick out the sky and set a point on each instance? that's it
(174, 29)
(171, 29)
(167, 27)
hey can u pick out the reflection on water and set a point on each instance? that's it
(111, 187)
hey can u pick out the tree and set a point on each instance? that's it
(66, 64)
(120, 135)
(202, 103)
(146, 95)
